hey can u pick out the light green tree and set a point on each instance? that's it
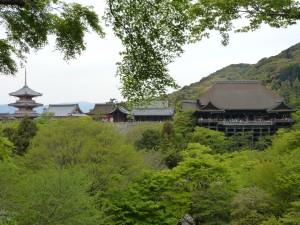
(52, 196)
(100, 149)
(251, 206)
(23, 135)
(6, 148)
(214, 139)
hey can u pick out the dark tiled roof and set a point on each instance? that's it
(281, 107)
(121, 109)
(63, 110)
(157, 104)
(102, 109)
(189, 105)
(25, 91)
(153, 112)
(240, 95)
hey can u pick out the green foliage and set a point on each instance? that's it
(22, 136)
(251, 206)
(77, 171)
(214, 139)
(184, 122)
(285, 143)
(208, 180)
(135, 133)
(100, 149)
(151, 199)
(149, 141)
(292, 217)
(30, 25)
(296, 117)
(168, 129)
(240, 141)
(154, 33)
(263, 142)
(6, 148)
(8, 180)
(50, 196)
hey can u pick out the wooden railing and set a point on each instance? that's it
(246, 122)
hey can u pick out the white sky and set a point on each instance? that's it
(91, 77)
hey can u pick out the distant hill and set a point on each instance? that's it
(280, 73)
(85, 107)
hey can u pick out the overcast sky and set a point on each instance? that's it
(91, 77)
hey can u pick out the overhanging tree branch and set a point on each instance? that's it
(12, 2)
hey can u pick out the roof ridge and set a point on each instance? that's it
(237, 82)
(74, 104)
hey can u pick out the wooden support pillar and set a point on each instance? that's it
(260, 131)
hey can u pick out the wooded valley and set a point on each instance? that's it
(79, 171)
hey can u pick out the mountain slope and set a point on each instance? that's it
(280, 73)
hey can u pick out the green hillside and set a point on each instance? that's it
(280, 73)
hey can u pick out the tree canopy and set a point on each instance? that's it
(153, 32)
(28, 25)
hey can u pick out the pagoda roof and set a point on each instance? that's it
(240, 95)
(65, 110)
(23, 104)
(27, 114)
(25, 91)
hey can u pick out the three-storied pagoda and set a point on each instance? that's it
(25, 103)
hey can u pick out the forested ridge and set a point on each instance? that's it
(79, 171)
(280, 73)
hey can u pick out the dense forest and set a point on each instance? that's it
(79, 171)
(280, 73)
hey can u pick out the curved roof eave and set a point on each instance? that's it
(25, 91)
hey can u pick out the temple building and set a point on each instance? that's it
(119, 114)
(101, 112)
(25, 104)
(109, 112)
(241, 106)
(65, 110)
(154, 111)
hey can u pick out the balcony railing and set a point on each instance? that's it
(26, 112)
(246, 122)
(25, 101)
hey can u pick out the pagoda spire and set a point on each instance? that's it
(25, 77)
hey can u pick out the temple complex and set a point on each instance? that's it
(25, 104)
(241, 106)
